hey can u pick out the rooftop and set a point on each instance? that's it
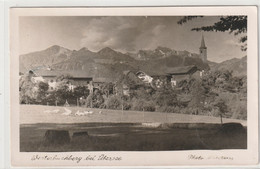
(56, 73)
(102, 80)
(172, 71)
(181, 70)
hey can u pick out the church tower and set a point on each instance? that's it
(203, 50)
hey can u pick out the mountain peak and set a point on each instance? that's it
(54, 47)
(83, 49)
(106, 50)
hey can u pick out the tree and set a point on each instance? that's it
(198, 95)
(95, 99)
(28, 90)
(42, 91)
(98, 99)
(80, 91)
(231, 24)
(62, 92)
(165, 96)
(222, 107)
(186, 85)
(114, 102)
(107, 89)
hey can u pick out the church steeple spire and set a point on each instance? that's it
(202, 42)
(203, 50)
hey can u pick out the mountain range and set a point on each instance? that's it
(110, 63)
(237, 66)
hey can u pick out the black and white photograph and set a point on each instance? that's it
(143, 83)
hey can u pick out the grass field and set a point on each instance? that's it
(31, 114)
(113, 130)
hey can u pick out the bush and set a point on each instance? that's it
(240, 112)
(80, 91)
(167, 109)
(113, 102)
(95, 100)
(143, 105)
(165, 97)
(186, 111)
(127, 105)
(149, 106)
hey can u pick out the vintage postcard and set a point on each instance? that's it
(136, 86)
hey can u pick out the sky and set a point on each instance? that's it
(125, 34)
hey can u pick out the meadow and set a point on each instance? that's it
(31, 114)
(114, 130)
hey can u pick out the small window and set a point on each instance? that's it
(51, 88)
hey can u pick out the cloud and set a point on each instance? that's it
(232, 42)
(123, 33)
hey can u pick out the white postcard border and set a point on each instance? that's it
(167, 158)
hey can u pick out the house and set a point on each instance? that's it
(170, 75)
(128, 83)
(37, 79)
(177, 74)
(52, 77)
(126, 90)
(144, 77)
(159, 79)
(99, 81)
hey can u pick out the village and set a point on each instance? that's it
(171, 75)
(184, 89)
